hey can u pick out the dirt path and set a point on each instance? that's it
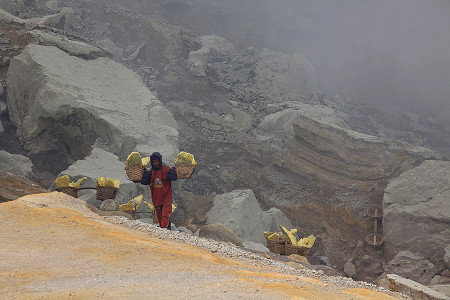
(53, 247)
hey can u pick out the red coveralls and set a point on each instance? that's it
(161, 189)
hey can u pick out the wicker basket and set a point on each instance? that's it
(184, 171)
(106, 192)
(291, 249)
(71, 191)
(277, 246)
(135, 173)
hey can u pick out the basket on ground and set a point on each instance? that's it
(184, 171)
(135, 173)
(277, 246)
(106, 192)
(71, 191)
(291, 249)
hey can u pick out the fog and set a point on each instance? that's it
(395, 53)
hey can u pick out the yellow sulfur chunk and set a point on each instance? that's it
(134, 159)
(307, 242)
(150, 206)
(78, 183)
(62, 181)
(145, 161)
(289, 235)
(185, 158)
(132, 204)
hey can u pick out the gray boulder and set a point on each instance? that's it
(241, 212)
(280, 75)
(15, 163)
(412, 266)
(349, 269)
(255, 246)
(416, 208)
(108, 205)
(199, 58)
(275, 217)
(58, 101)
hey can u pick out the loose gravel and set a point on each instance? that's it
(232, 251)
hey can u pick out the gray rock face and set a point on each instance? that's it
(199, 58)
(15, 163)
(219, 232)
(241, 212)
(58, 101)
(412, 266)
(2, 130)
(416, 209)
(279, 74)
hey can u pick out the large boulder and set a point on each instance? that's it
(416, 209)
(63, 104)
(412, 266)
(199, 58)
(241, 212)
(16, 163)
(280, 75)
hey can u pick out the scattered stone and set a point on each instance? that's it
(109, 205)
(349, 269)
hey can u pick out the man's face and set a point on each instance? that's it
(155, 164)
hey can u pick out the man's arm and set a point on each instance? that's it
(172, 175)
(146, 177)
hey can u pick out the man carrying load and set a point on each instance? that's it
(159, 178)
